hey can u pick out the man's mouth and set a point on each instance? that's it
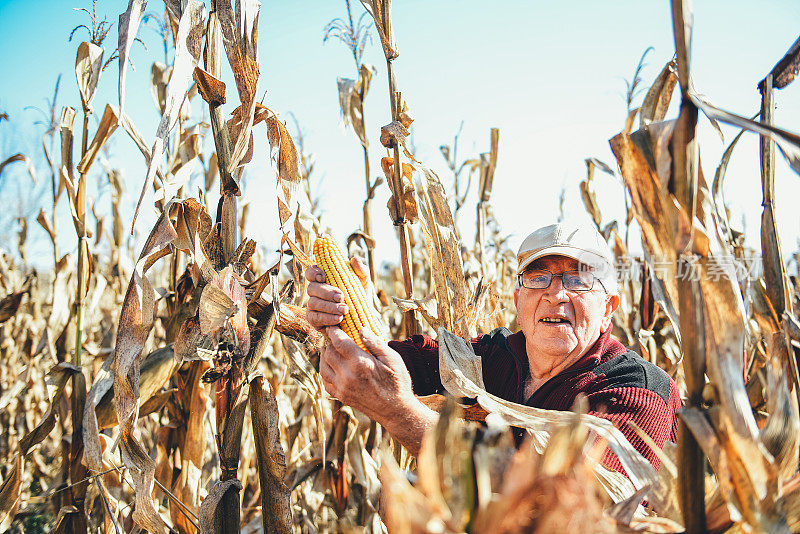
(554, 320)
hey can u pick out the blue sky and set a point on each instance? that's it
(548, 74)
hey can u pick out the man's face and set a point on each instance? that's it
(580, 316)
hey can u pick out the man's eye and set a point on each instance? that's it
(578, 279)
(538, 279)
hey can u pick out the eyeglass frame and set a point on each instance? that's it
(554, 275)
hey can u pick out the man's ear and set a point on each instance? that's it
(612, 303)
(516, 296)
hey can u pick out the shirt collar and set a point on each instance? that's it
(605, 348)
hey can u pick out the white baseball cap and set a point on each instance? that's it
(581, 242)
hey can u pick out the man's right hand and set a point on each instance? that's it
(377, 382)
(326, 305)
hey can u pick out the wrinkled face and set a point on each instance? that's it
(559, 323)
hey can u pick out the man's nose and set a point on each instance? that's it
(555, 291)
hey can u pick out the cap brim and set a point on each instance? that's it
(584, 256)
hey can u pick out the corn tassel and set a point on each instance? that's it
(339, 273)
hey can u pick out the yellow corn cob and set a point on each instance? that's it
(339, 273)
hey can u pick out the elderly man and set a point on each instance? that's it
(565, 295)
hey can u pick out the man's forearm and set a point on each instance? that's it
(409, 424)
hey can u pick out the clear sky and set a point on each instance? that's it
(548, 74)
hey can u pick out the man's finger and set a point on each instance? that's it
(326, 306)
(321, 320)
(325, 292)
(342, 342)
(327, 372)
(360, 269)
(380, 349)
(315, 274)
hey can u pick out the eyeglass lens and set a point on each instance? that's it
(573, 280)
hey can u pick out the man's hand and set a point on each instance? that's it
(377, 384)
(326, 305)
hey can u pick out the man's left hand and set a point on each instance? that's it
(377, 384)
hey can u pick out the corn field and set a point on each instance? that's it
(171, 383)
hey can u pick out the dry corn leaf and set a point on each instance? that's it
(404, 116)
(190, 342)
(10, 488)
(461, 375)
(427, 306)
(10, 304)
(698, 424)
(275, 506)
(404, 508)
(395, 134)
(108, 123)
(187, 56)
(175, 182)
(128, 27)
(216, 307)
(45, 224)
(788, 142)
(240, 128)
(638, 161)
(552, 491)
(209, 507)
(445, 468)
(716, 188)
(381, 13)
(283, 155)
(629, 121)
(88, 65)
(590, 202)
(25, 159)
(656, 102)
(444, 249)
(240, 37)
(351, 100)
(189, 146)
(159, 78)
(211, 89)
(66, 126)
(409, 204)
(233, 286)
(194, 399)
(137, 138)
(293, 324)
(781, 433)
(157, 368)
(136, 319)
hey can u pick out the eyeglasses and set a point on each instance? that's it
(572, 280)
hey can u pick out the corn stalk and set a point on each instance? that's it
(691, 474)
(775, 277)
(380, 10)
(484, 194)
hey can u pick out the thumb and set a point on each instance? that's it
(380, 349)
(341, 341)
(360, 269)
